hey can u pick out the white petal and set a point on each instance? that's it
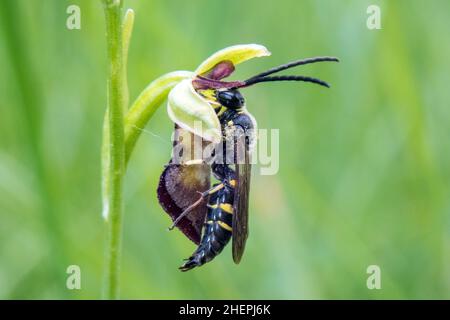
(191, 112)
(236, 54)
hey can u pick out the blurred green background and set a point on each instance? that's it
(364, 167)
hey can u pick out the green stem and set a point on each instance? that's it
(114, 151)
(127, 29)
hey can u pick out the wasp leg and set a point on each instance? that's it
(203, 195)
(225, 174)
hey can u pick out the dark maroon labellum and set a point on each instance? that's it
(177, 188)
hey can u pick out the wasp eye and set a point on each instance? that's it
(232, 99)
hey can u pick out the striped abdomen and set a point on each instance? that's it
(217, 231)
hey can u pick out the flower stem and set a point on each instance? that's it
(146, 104)
(113, 150)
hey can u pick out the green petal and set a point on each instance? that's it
(191, 112)
(236, 54)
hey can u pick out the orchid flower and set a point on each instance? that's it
(190, 100)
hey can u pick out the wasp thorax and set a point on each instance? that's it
(231, 98)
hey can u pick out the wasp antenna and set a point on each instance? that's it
(285, 78)
(294, 64)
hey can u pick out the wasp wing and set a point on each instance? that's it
(241, 199)
(180, 184)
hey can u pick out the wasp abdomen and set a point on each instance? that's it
(217, 231)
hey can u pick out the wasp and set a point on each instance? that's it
(212, 215)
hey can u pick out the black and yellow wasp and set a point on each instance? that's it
(210, 216)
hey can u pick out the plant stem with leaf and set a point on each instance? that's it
(121, 130)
